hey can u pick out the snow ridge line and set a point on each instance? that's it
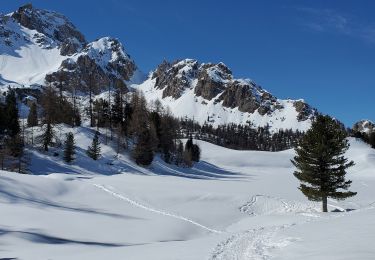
(160, 212)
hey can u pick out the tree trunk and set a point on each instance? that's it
(91, 114)
(324, 200)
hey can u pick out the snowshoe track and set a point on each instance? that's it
(156, 211)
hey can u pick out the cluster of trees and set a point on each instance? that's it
(143, 129)
(127, 120)
(242, 137)
(11, 141)
(56, 109)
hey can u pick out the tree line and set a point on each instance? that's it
(242, 137)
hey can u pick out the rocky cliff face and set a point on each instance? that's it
(216, 82)
(100, 64)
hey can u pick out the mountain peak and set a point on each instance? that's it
(364, 126)
(53, 25)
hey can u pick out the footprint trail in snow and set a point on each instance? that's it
(156, 211)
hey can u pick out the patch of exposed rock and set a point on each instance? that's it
(305, 111)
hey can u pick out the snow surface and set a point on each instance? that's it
(26, 62)
(231, 205)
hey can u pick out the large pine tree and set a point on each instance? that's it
(320, 162)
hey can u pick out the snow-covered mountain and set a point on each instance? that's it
(39, 47)
(210, 94)
(364, 126)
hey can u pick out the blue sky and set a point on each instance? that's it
(321, 50)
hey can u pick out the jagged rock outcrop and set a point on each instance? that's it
(304, 110)
(175, 78)
(215, 81)
(51, 25)
(101, 63)
(212, 80)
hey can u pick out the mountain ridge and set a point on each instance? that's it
(50, 50)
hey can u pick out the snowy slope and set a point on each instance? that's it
(231, 205)
(23, 60)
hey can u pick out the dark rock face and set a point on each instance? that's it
(101, 64)
(81, 75)
(304, 110)
(175, 78)
(241, 96)
(53, 25)
(248, 97)
(212, 80)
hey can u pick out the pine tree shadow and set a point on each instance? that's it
(200, 170)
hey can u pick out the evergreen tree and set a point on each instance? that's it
(32, 119)
(15, 149)
(168, 134)
(47, 136)
(94, 150)
(143, 131)
(11, 114)
(69, 150)
(77, 118)
(143, 152)
(320, 162)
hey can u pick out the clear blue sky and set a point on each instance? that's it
(321, 50)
